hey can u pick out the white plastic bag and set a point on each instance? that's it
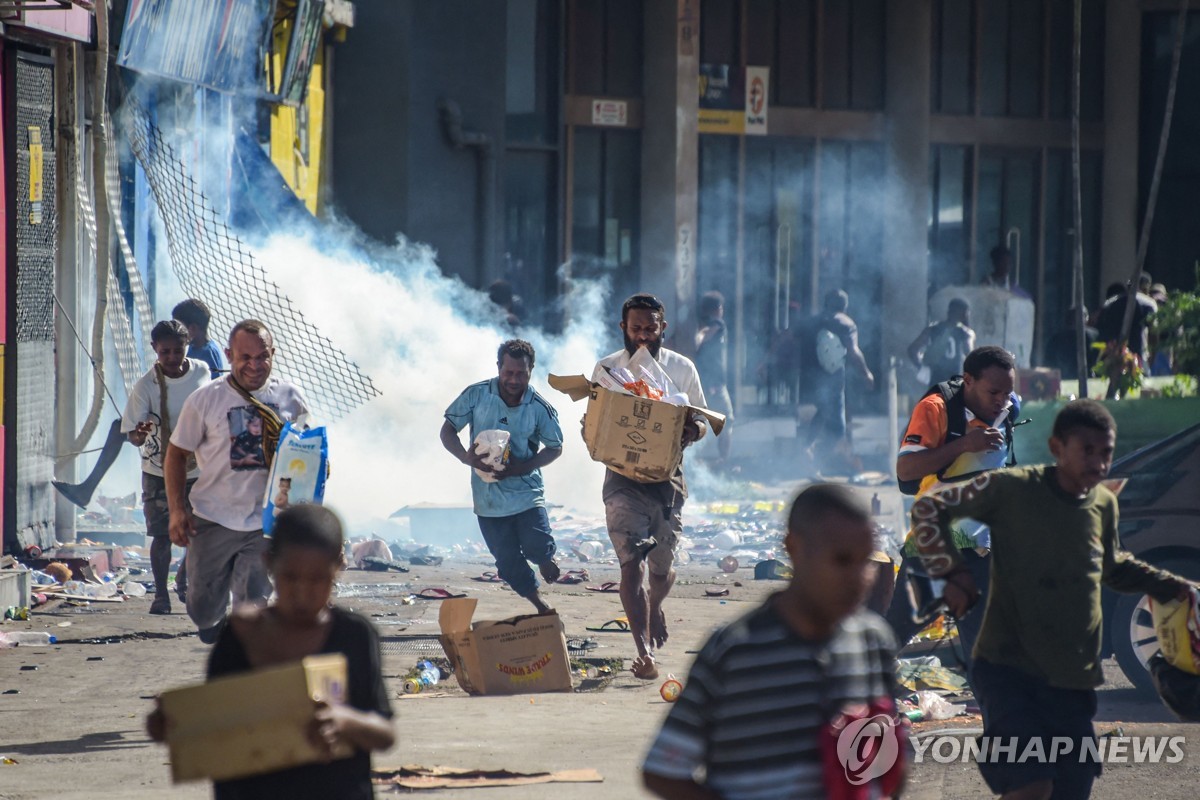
(645, 366)
(493, 445)
(298, 472)
(934, 706)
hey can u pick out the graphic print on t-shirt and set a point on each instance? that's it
(245, 438)
(152, 448)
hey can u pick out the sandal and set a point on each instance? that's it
(607, 586)
(436, 593)
(715, 592)
(618, 625)
(573, 576)
(488, 577)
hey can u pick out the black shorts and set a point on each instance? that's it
(1020, 706)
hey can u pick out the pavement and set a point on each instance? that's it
(74, 727)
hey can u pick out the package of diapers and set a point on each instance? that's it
(493, 445)
(297, 473)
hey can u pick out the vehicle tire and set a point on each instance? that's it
(1132, 629)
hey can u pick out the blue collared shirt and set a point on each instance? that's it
(531, 423)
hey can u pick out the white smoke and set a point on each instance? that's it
(423, 338)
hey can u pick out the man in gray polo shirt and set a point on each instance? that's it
(644, 519)
(223, 427)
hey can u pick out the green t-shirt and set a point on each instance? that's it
(1050, 554)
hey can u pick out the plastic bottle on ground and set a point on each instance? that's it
(30, 638)
(134, 589)
(430, 674)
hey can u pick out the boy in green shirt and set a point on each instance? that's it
(1054, 542)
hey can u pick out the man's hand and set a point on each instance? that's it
(476, 461)
(182, 528)
(961, 593)
(869, 377)
(691, 432)
(138, 435)
(982, 440)
(328, 728)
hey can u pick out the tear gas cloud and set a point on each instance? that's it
(423, 338)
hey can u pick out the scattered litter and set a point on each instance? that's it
(612, 587)
(934, 706)
(728, 564)
(671, 689)
(712, 591)
(417, 777)
(29, 668)
(928, 673)
(618, 625)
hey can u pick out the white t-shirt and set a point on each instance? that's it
(225, 432)
(144, 405)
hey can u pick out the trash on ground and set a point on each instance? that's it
(418, 777)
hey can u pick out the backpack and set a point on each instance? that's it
(956, 425)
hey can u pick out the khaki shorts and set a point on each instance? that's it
(633, 516)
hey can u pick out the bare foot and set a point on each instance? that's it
(550, 571)
(643, 668)
(658, 629)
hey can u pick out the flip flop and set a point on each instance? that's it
(573, 576)
(436, 593)
(712, 592)
(618, 625)
(488, 577)
(607, 586)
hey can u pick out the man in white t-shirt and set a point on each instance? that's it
(148, 426)
(644, 519)
(223, 429)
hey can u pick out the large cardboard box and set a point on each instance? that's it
(520, 655)
(253, 723)
(631, 435)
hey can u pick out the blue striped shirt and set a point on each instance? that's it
(749, 720)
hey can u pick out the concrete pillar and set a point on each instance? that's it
(1122, 73)
(907, 108)
(669, 158)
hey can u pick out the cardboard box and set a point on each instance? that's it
(521, 655)
(252, 723)
(634, 436)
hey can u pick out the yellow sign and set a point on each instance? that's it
(36, 161)
(713, 120)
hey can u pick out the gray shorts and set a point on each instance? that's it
(632, 516)
(221, 561)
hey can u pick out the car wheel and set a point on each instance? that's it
(1132, 628)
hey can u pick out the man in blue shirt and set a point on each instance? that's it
(194, 314)
(511, 507)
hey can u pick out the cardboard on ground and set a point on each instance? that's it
(519, 655)
(633, 436)
(252, 723)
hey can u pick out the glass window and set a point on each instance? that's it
(1025, 58)
(993, 57)
(623, 49)
(835, 55)
(866, 54)
(586, 51)
(531, 228)
(948, 226)
(606, 206)
(1007, 198)
(794, 86)
(719, 32)
(953, 33)
(531, 85)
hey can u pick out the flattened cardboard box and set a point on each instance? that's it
(520, 655)
(633, 436)
(252, 723)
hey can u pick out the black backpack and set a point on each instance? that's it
(956, 425)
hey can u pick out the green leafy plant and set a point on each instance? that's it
(1177, 324)
(1121, 366)
(1181, 386)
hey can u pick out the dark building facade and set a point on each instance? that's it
(879, 147)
